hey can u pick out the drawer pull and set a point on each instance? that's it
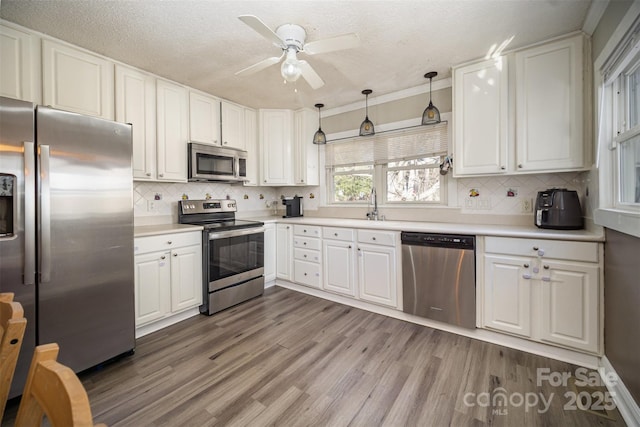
(373, 238)
(335, 234)
(162, 257)
(169, 242)
(305, 274)
(304, 243)
(535, 248)
(175, 254)
(546, 267)
(305, 231)
(349, 246)
(526, 266)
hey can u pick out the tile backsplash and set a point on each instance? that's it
(494, 195)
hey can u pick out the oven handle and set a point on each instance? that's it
(235, 233)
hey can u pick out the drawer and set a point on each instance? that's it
(306, 230)
(557, 249)
(163, 242)
(335, 233)
(387, 238)
(307, 255)
(306, 242)
(306, 273)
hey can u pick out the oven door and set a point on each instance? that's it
(235, 256)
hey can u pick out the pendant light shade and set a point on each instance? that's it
(431, 114)
(366, 128)
(319, 137)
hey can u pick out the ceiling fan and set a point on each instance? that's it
(291, 39)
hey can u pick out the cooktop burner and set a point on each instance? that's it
(212, 214)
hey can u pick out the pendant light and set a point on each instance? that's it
(319, 137)
(431, 115)
(366, 128)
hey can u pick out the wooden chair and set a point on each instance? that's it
(53, 390)
(12, 325)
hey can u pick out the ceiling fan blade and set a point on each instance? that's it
(310, 75)
(262, 29)
(260, 65)
(345, 41)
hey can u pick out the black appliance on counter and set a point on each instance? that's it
(232, 253)
(558, 209)
(293, 206)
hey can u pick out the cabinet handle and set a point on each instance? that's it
(265, 180)
(175, 254)
(502, 167)
(335, 234)
(520, 166)
(305, 255)
(526, 266)
(287, 227)
(546, 267)
(225, 143)
(305, 274)
(305, 231)
(160, 175)
(148, 173)
(162, 257)
(350, 247)
(215, 141)
(304, 243)
(358, 248)
(373, 238)
(302, 180)
(169, 242)
(535, 248)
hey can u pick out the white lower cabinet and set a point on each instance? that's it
(168, 275)
(544, 299)
(339, 267)
(307, 269)
(284, 258)
(269, 253)
(377, 273)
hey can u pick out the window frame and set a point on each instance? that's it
(442, 190)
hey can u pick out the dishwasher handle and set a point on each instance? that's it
(454, 241)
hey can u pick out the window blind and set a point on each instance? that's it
(385, 147)
(623, 54)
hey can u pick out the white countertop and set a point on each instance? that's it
(154, 230)
(441, 227)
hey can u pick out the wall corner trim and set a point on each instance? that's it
(621, 396)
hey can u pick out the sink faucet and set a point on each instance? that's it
(373, 215)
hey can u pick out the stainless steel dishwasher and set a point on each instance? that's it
(439, 277)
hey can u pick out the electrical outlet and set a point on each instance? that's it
(526, 205)
(484, 204)
(469, 203)
(152, 206)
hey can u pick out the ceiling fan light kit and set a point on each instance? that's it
(367, 128)
(319, 137)
(291, 39)
(431, 114)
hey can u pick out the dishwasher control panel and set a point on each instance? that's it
(458, 241)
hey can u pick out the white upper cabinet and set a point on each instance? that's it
(75, 80)
(549, 108)
(276, 133)
(521, 113)
(204, 118)
(136, 104)
(20, 66)
(173, 130)
(232, 125)
(305, 152)
(481, 117)
(253, 152)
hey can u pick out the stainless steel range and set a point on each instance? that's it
(233, 253)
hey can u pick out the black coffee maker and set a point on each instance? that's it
(293, 206)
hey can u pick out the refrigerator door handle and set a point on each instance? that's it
(45, 216)
(29, 213)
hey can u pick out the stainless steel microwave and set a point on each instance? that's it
(213, 163)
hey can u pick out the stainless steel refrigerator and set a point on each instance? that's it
(66, 232)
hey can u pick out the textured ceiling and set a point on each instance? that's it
(202, 43)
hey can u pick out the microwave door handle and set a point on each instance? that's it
(45, 215)
(29, 213)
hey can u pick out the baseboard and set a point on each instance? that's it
(167, 321)
(621, 396)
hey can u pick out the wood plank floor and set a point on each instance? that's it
(290, 359)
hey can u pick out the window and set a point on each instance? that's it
(406, 163)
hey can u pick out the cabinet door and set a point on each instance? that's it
(305, 167)
(186, 278)
(507, 294)
(74, 80)
(152, 286)
(377, 274)
(253, 153)
(232, 125)
(269, 252)
(549, 106)
(20, 65)
(173, 131)
(481, 118)
(339, 267)
(136, 104)
(284, 255)
(569, 304)
(204, 118)
(275, 147)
